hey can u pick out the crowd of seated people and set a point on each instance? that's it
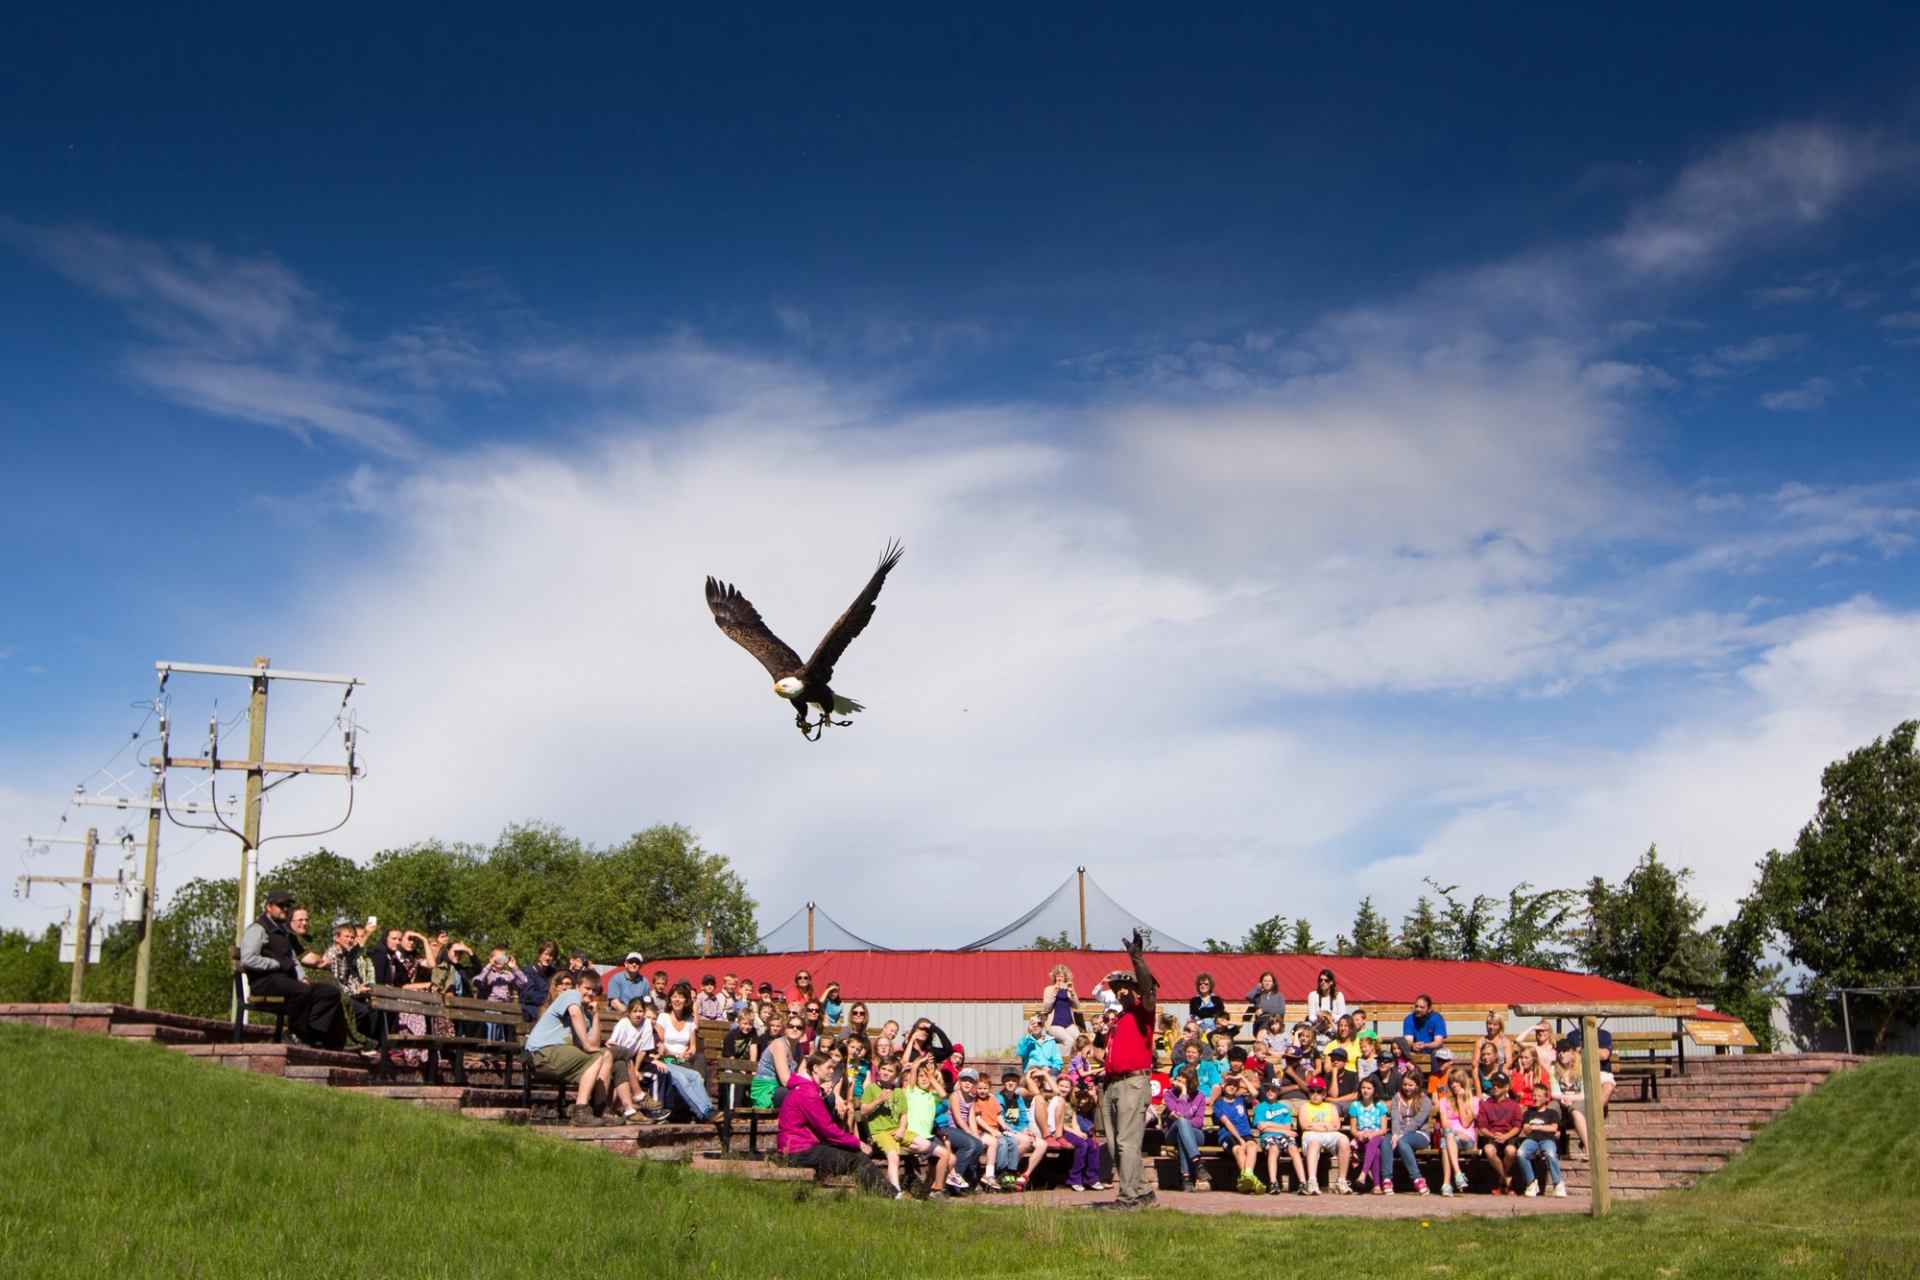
(1323, 1097)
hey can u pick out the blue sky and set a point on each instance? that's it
(1334, 448)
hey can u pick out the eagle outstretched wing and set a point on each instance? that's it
(734, 614)
(852, 622)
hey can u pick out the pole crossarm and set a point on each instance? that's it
(55, 839)
(263, 672)
(71, 879)
(138, 802)
(249, 766)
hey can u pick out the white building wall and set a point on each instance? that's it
(988, 1028)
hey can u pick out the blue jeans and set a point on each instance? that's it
(692, 1090)
(1186, 1140)
(1007, 1158)
(1539, 1146)
(1411, 1141)
(967, 1150)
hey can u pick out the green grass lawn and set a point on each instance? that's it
(124, 1158)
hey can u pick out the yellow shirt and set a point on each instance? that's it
(1319, 1115)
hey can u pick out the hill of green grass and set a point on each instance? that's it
(120, 1157)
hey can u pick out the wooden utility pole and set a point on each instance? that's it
(83, 936)
(706, 947)
(1589, 1016)
(1083, 908)
(256, 766)
(809, 926)
(250, 812)
(143, 958)
(143, 889)
(1596, 1114)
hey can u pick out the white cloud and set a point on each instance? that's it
(1715, 789)
(243, 337)
(1752, 189)
(1808, 395)
(1738, 356)
(1071, 665)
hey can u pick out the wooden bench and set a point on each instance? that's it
(245, 1003)
(733, 1084)
(390, 1002)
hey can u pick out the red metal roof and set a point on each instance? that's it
(1022, 975)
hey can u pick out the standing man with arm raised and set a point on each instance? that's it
(1127, 1087)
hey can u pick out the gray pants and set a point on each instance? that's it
(1124, 1109)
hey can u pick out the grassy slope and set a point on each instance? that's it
(116, 1156)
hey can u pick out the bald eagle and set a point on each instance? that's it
(802, 683)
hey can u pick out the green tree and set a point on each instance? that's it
(1846, 897)
(1537, 927)
(1645, 932)
(1466, 928)
(1420, 935)
(1749, 984)
(1300, 940)
(1265, 938)
(1371, 936)
(193, 949)
(1055, 942)
(30, 968)
(329, 886)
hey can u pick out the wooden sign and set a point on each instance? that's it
(1716, 1033)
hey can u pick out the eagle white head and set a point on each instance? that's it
(789, 687)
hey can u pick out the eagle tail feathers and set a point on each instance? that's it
(841, 706)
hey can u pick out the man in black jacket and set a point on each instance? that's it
(269, 957)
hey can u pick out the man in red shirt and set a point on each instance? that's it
(1127, 1085)
(1499, 1120)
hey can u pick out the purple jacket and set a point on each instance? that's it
(806, 1122)
(1192, 1109)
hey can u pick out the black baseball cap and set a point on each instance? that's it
(1498, 1078)
(279, 898)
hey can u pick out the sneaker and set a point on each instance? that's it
(1560, 1191)
(1187, 1184)
(1096, 1185)
(1313, 1188)
(1533, 1189)
(1385, 1188)
(1201, 1182)
(1273, 1189)
(936, 1195)
(1009, 1183)
(1303, 1189)
(1343, 1187)
(1074, 1186)
(956, 1183)
(1420, 1186)
(1446, 1188)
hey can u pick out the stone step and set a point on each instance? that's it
(268, 1059)
(751, 1168)
(158, 1032)
(1680, 1127)
(1677, 1090)
(1641, 1144)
